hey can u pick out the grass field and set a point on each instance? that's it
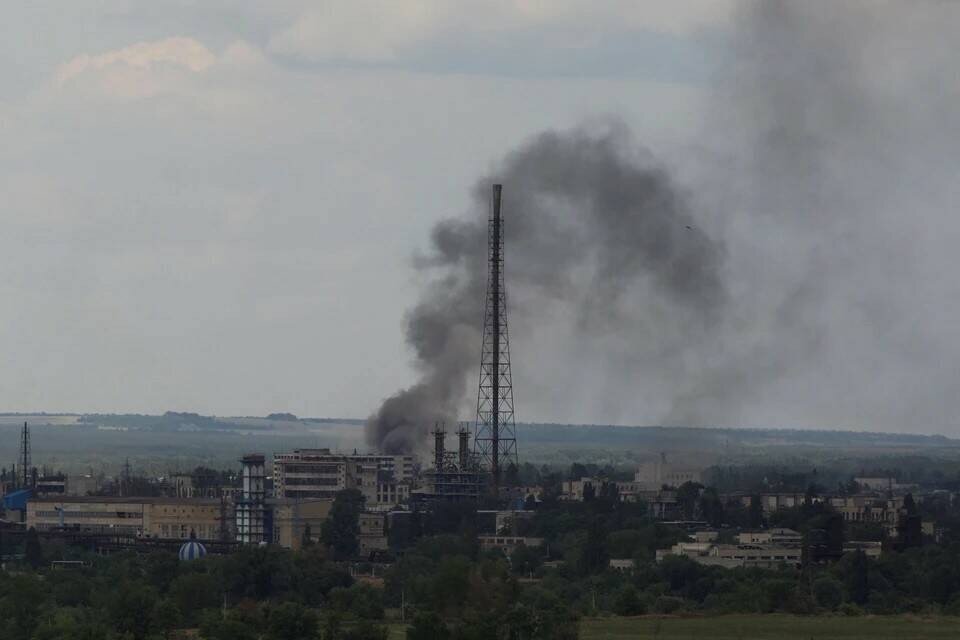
(766, 627)
(772, 627)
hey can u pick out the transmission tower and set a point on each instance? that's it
(496, 438)
(25, 456)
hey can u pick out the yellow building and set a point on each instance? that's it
(177, 518)
(148, 517)
(96, 514)
(181, 517)
(291, 517)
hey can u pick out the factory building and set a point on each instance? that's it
(147, 517)
(285, 520)
(304, 474)
(456, 476)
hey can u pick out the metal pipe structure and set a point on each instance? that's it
(439, 437)
(464, 449)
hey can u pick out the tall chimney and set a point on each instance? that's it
(439, 435)
(464, 451)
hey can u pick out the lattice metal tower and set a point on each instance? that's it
(25, 462)
(496, 438)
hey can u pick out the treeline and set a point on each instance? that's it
(256, 593)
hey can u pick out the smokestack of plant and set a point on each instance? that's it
(591, 221)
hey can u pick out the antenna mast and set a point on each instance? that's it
(496, 440)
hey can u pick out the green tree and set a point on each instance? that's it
(21, 603)
(688, 494)
(341, 529)
(828, 592)
(131, 609)
(526, 560)
(167, 616)
(711, 506)
(214, 627)
(193, 592)
(858, 579)
(292, 621)
(627, 602)
(366, 630)
(332, 626)
(32, 550)
(427, 626)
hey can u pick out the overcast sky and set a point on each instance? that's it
(214, 205)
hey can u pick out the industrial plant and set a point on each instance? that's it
(286, 499)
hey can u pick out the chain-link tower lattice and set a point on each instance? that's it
(496, 438)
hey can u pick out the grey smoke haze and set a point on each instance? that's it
(591, 221)
(813, 286)
(833, 139)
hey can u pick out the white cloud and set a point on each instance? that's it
(177, 51)
(150, 68)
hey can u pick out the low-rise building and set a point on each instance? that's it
(882, 484)
(734, 555)
(662, 503)
(373, 532)
(508, 544)
(771, 502)
(870, 549)
(775, 536)
(867, 508)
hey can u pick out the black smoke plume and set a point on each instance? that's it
(591, 222)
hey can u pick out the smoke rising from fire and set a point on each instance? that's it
(795, 269)
(591, 220)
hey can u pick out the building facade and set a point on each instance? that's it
(251, 505)
(291, 519)
(304, 474)
(208, 519)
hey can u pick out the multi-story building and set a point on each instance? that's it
(659, 473)
(662, 503)
(148, 517)
(383, 480)
(51, 483)
(867, 508)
